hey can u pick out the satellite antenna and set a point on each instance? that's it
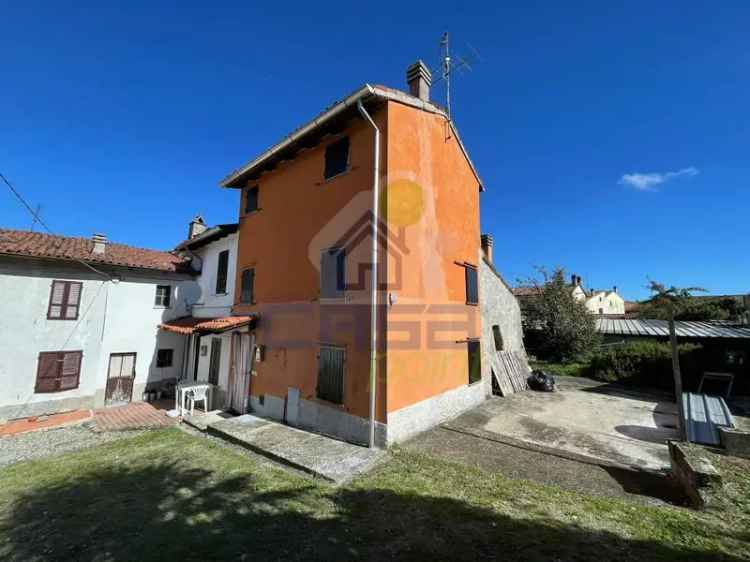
(448, 65)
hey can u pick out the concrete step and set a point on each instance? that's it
(333, 460)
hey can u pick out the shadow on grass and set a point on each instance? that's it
(167, 512)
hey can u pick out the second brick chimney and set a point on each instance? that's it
(419, 78)
(487, 242)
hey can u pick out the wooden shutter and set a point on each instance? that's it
(332, 273)
(47, 371)
(58, 370)
(73, 300)
(56, 300)
(472, 285)
(331, 374)
(251, 200)
(64, 300)
(246, 289)
(70, 370)
(221, 272)
(475, 361)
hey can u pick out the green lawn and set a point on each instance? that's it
(166, 495)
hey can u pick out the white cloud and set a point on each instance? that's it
(650, 181)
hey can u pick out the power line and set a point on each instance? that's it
(25, 204)
(38, 219)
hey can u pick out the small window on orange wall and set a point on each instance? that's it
(472, 285)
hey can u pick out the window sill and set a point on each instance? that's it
(162, 307)
(55, 391)
(251, 213)
(58, 319)
(472, 303)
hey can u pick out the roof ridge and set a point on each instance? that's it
(83, 239)
(16, 242)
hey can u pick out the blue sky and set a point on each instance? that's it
(613, 138)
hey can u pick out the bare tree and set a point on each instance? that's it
(671, 299)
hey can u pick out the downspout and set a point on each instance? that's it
(374, 274)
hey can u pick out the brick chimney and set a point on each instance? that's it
(419, 78)
(487, 242)
(196, 227)
(100, 244)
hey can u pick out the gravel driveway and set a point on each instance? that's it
(38, 444)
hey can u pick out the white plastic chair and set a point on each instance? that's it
(196, 395)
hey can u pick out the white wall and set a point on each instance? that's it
(211, 304)
(205, 360)
(608, 303)
(113, 318)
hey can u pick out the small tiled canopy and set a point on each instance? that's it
(188, 324)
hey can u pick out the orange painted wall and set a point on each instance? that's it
(430, 203)
(432, 199)
(298, 207)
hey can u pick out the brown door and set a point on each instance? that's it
(120, 378)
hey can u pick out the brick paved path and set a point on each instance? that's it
(136, 415)
(43, 422)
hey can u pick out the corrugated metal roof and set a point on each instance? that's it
(704, 415)
(660, 328)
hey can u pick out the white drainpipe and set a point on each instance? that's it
(374, 274)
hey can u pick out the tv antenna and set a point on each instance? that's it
(449, 65)
(36, 216)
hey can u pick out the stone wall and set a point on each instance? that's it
(499, 307)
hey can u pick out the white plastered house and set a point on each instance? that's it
(598, 301)
(80, 321)
(212, 337)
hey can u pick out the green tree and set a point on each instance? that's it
(563, 328)
(692, 308)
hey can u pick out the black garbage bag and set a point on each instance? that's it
(539, 380)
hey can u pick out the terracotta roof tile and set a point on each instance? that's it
(37, 244)
(189, 324)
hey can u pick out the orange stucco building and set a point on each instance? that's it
(305, 259)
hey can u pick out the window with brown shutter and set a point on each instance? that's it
(247, 286)
(58, 370)
(64, 300)
(472, 285)
(475, 361)
(222, 267)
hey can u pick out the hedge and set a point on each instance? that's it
(646, 363)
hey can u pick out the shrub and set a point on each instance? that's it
(558, 327)
(645, 363)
